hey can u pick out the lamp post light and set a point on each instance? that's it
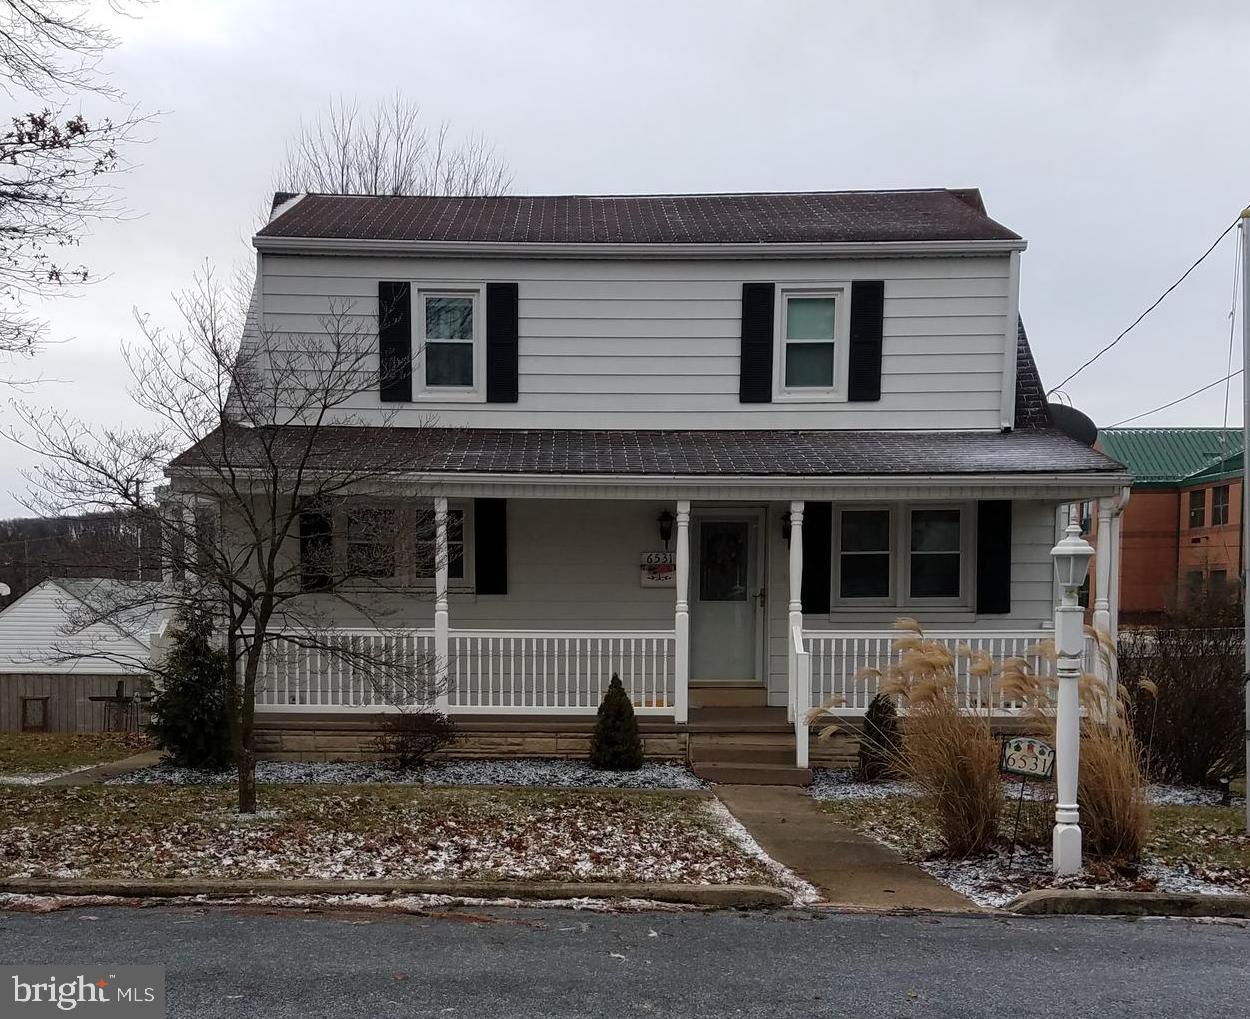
(1071, 556)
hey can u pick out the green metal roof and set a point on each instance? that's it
(1167, 457)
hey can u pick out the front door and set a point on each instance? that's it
(725, 603)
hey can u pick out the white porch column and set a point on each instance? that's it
(795, 606)
(442, 623)
(1101, 618)
(681, 618)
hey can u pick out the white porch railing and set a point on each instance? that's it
(828, 665)
(838, 659)
(294, 677)
(488, 671)
(552, 672)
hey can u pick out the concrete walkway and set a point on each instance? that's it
(103, 772)
(848, 868)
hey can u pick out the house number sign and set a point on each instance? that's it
(657, 569)
(1027, 757)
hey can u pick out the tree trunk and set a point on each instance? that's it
(246, 748)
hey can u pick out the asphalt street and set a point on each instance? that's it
(485, 963)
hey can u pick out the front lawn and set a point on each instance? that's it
(1191, 848)
(378, 832)
(39, 753)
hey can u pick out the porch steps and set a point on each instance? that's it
(727, 695)
(747, 758)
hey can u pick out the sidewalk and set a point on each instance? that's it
(103, 772)
(848, 868)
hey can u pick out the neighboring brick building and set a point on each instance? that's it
(1182, 527)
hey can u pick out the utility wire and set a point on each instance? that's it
(1182, 399)
(1158, 301)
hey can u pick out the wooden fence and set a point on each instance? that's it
(64, 702)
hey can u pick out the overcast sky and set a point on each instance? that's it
(1111, 135)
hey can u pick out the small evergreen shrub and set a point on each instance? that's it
(193, 707)
(408, 738)
(616, 745)
(880, 744)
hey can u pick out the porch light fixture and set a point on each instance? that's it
(665, 522)
(1072, 556)
(785, 526)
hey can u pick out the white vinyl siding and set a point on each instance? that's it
(630, 343)
(33, 626)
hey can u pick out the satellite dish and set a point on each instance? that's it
(1073, 423)
(5, 590)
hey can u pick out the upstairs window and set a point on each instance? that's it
(1198, 508)
(449, 338)
(811, 324)
(809, 335)
(1219, 506)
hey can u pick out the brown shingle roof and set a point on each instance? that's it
(812, 217)
(806, 454)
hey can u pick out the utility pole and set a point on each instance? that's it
(1245, 463)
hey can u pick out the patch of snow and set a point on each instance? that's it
(529, 772)
(829, 784)
(1187, 796)
(39, 777)
(805, 894)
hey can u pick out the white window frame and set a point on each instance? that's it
(841, 294)
(475, 393)
(900, 558)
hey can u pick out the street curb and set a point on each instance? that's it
(103, 772)
(718, 896)
(1097, 902)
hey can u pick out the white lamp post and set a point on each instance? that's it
(1072, 556)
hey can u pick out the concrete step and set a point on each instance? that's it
(741, 753)
(727, 695)
(753, 774)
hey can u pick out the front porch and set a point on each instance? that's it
(726, 615)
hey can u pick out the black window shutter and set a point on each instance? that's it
(316, 548)
(867, 309)
(394, 341)
(993, 557)
(755, 368)
(502, 342)
(490, 546)
(817, 556)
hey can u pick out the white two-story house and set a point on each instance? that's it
(715, 444)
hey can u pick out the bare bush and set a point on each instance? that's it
(409, 737)
(1186, 686)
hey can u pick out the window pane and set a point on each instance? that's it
(809, 364)
(866, 531)
(449, 364)
(449, 318)
(864, 576)
(935, 530)
(723, 549)
(935, 576)
(809, 318)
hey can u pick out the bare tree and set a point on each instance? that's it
(388, 151)
(281, 519)
(54, 160)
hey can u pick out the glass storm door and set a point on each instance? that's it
(725, 600)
